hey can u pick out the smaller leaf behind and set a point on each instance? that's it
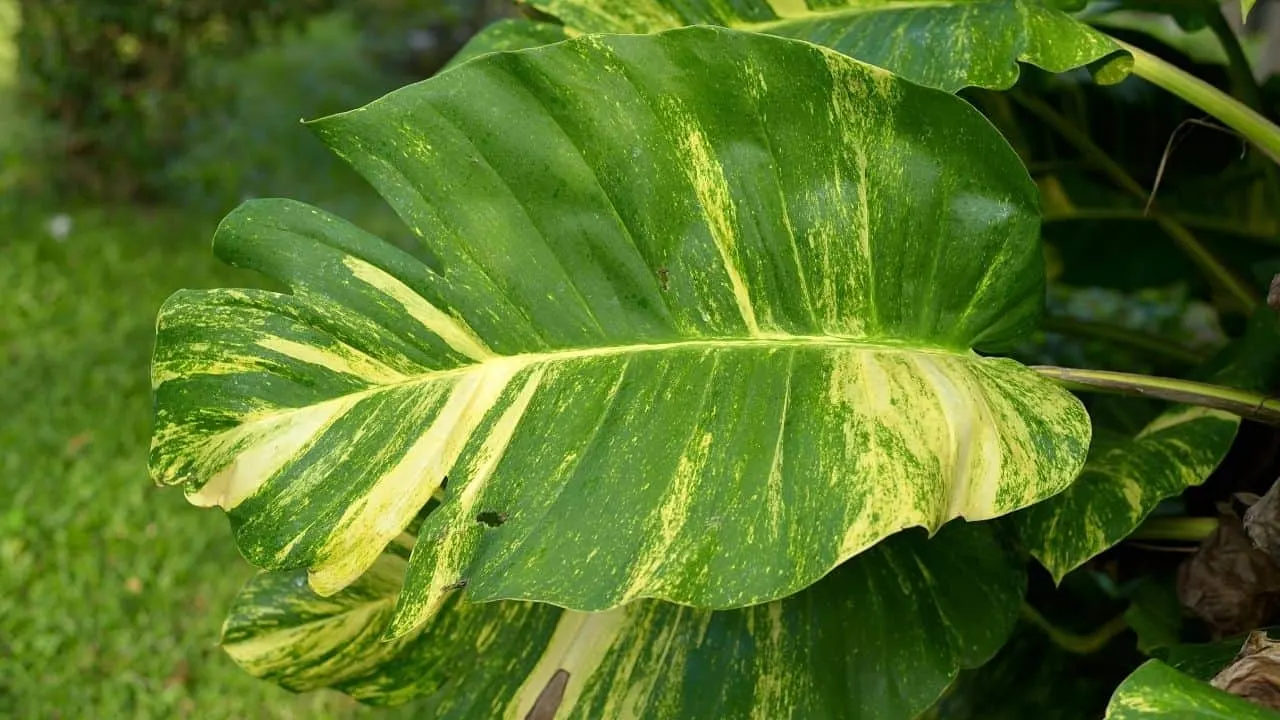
(1121, 484)
(941, 44)
(508, 34)
(1119, 487)
(880, 637)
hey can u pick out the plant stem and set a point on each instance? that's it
(1244, 403)
(1246, 88)
(1238, 290)
(1071, 642)
(1123, 336)
(1179, 528)
(1233, 113)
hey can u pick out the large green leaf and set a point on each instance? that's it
(692, 321)
(508, 34)
(1157, 691)
(881, 637)
(940, 43)
(1123, 483)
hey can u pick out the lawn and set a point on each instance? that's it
(112, 590)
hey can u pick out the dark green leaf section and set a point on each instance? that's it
(1156, 691)
(940, 43)
(1121, 485)
(1029, 679)
(508, 34)
(878, 638)
(1204, 660)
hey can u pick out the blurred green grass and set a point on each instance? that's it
(112, 591)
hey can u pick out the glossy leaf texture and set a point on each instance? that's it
(1156, 690)
(881, 637)
(690, 320)
(942, 44)
(1122, 483)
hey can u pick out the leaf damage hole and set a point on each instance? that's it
(548, 702)
(455, 586)
(491, 518)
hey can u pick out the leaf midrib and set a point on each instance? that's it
(526, 360)
(774, 342)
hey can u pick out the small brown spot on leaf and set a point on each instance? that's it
(664, 278)
(455, 586)
(548, 702)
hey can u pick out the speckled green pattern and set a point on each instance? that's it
(1156, 691)
(881, 637)
(508, 34)
(947, 44)
(690, 319)
(1121, 485)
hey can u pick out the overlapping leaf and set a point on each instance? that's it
(879, 638)
(1121, 485)
(1123, 481)
(1157, 691)
(690, 320)
(943, 44)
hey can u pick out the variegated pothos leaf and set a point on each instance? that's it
(1124, 480)
(881, 637)
(1122, 484)
(690, 335)
(1156, 691)
(940, 43)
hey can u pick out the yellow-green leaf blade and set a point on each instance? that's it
(711, 386)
